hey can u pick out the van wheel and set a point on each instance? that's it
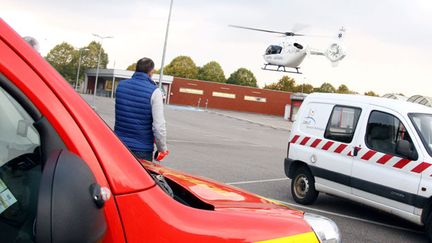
(303, 187)
(428, 227)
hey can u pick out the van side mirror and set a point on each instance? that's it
(67, 208)
(403, 148)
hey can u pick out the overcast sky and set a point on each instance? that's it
(388, 42)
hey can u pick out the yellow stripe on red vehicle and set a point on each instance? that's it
(309, 237)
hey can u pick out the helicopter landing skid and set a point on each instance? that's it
(280, 69)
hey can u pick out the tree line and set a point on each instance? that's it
(288, 84)
(65, 59)
(185, 67)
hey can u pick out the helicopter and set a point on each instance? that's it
(290, 53)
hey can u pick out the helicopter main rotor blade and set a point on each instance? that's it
(289, 33)
(263, 30)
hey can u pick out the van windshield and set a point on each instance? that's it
(423, 125)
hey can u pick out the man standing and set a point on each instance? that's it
(139, 117)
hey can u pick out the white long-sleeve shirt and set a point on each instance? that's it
(159, 126)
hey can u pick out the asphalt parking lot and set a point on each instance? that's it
(248, 152)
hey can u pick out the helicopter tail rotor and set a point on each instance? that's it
(341, 33)
(335, 53)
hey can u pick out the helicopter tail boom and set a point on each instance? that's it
(334, 52)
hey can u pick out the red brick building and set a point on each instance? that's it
(228, 97)
(204, 94)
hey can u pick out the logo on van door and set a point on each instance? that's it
(309, 121)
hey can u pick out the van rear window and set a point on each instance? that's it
(342, 124)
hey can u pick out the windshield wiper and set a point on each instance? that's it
(160, 180)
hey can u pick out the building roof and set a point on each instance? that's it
(397, 105)
(124, 74)
(420, 99)
(298, 96)
(395, 96)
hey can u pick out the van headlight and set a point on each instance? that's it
(325, 229)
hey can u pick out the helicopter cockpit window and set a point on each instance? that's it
(298, 46)
(273, 49)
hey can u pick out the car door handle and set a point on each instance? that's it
(356, 150)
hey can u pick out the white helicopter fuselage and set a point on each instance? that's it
(286, 54)
(290, 53)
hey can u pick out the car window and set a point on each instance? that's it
(342, 123)
(20, 171)
(423, 124)
(384, 131)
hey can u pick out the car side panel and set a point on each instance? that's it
(22, 76)
(324, 156)
(384, 178)
(122, 170)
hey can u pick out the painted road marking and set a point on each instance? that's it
(324, 211)
(349, 217)
(228, 143)
(256, 181)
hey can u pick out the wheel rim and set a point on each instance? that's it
(301, 186)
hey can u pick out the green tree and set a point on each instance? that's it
(63, 57)
(343, 89)
(182, 67)
(243, 77)
(304, 88)
(326, 88)
(212, 71)
(371, 93)
(90, 56)
(286, 83)
(131, 67)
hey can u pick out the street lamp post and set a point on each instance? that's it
(79, 65)
(113, 82)
(97, 67)
(164, 49)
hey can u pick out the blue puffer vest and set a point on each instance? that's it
(133, 113)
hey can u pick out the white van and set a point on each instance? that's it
(375, 151)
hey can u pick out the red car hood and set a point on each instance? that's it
(222, 197)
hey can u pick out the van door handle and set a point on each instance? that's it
(356, 150)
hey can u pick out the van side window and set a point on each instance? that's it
(384, 131)
(342, 124)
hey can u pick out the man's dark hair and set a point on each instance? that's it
(145, 65)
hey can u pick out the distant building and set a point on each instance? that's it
(395, 96)
(202, 94)
(206, 94)
(296, 101)
(420, 99)
(106, 78)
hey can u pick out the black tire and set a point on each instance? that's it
(303, 186)
(428, 227)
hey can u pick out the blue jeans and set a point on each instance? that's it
(146, 155)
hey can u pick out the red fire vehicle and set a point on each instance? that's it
(66, 177)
